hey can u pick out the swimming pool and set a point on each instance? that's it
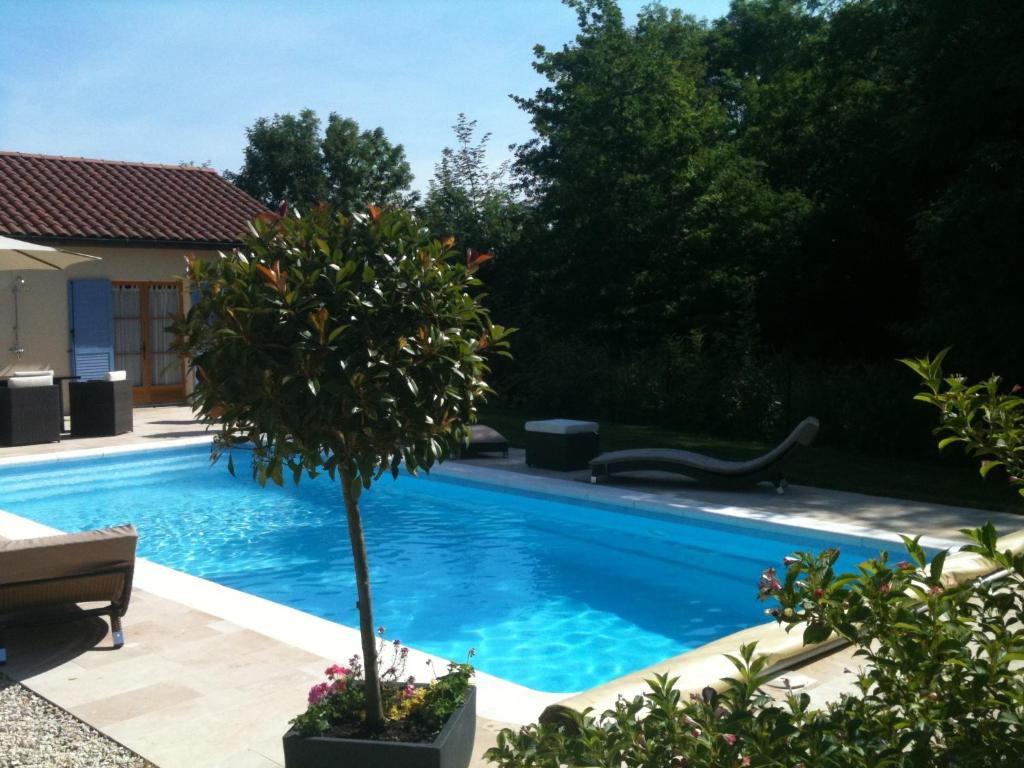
(554, 594)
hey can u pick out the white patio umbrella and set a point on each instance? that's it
(17, 255)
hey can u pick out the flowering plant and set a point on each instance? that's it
(412, 711)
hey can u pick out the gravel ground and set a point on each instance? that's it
(36, 734)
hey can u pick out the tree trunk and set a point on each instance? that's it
(374, 711)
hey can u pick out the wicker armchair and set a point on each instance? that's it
(29, 415)
(100, 408)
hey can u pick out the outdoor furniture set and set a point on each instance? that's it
(32, 407)
(566, 445)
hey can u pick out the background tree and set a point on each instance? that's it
(346, 345)
(467, 199)
(756, 215)
(288, 158)
(481, 209)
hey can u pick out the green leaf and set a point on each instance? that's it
(988, 465)
(816, 633)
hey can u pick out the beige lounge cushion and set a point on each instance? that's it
(70, 554)
(563, 427)
(115, 376)
(39, 380)
(42, 372)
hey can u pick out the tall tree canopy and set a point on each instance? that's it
(289, 158)
(654, 218)
(836, 180)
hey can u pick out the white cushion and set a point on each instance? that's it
(46, 380)
(34, 373)
(115, 376)
(562, 426)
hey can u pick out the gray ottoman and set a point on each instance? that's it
(561, 444)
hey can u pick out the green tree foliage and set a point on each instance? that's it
(468, 200)
(480, 208)
(340, 344)
(288, 158)
(938, 684)
(654, 219)
(813, 186)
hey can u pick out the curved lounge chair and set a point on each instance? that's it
(706, 468)
(484, 439)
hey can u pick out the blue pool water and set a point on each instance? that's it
(555, 595)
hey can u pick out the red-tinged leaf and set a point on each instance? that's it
(374, 212)
(269, 276)
(282, 209)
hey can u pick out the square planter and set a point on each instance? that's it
(452, 748)
(562, 444)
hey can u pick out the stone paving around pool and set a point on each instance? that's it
(211, 677)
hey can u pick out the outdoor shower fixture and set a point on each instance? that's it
(16, 288)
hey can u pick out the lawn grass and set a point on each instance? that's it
(943, 480)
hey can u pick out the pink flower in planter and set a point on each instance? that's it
(730, 738)
(318, 692)
(336, 670)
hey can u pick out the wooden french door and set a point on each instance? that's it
(142, 312)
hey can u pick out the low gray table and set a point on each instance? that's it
(562, 444)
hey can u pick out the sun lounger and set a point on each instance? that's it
(41, 577)
(483, 439)
(706, 468)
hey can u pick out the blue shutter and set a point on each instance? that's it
(91, 311)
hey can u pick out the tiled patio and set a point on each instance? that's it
(210, 677)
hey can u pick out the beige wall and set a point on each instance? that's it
(43, 303)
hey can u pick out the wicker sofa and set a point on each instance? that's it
(41, 578)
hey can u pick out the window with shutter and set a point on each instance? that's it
(90, 310)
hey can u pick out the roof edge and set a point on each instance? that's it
(99, 161)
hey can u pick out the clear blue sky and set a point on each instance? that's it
(169, 82)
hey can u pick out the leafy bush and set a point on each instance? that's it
(940, 686)
(988, 422)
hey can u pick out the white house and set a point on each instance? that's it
(109, 315)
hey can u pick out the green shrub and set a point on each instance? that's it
(988, 422)
(940, 685)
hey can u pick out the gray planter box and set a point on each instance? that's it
(452, 748)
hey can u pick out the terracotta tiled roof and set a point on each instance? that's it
(42, 196)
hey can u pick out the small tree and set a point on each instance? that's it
(344, 344)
